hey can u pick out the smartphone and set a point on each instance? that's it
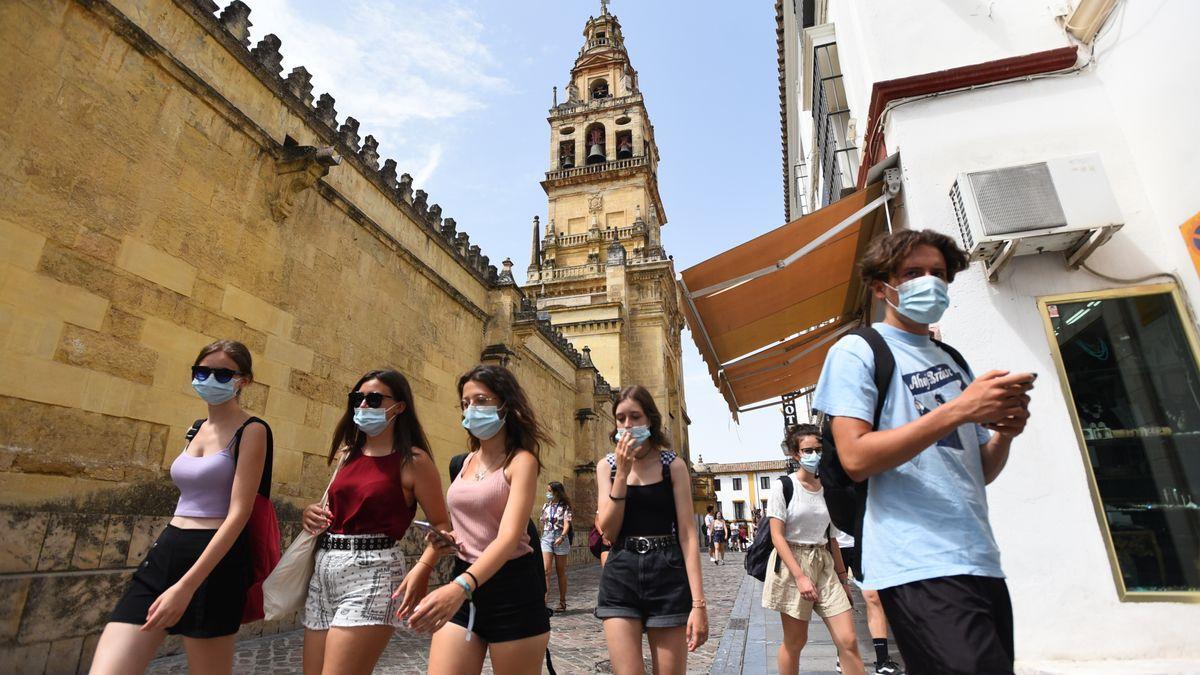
(437, 535)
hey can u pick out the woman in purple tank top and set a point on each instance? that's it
(193, 582)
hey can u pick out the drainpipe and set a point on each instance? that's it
(1088, 16)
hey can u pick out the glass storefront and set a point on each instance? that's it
(1129, 359)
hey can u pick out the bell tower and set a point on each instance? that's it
(599, 271)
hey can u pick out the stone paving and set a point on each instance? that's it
(576, 638)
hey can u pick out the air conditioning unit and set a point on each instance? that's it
(1062, 204)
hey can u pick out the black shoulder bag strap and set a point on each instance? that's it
(956, 355)
(456, 465)
(885, 366)
(264, 484)
(191, 433)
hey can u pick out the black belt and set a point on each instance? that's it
(337, 543)
(647, 544)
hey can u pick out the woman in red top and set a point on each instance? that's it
(359, 582)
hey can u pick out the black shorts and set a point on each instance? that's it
(952, 625)
(511, 605)
(650, 587)
(216, 607)
(851, 557)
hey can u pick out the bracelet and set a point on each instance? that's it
(473, 579)
(699, 604)
(464, 585)
(422, 562)
(615, 499)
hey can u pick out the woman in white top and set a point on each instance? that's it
(804, 571)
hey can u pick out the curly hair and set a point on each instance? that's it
(800, 431)
(884, 254)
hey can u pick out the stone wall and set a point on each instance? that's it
(163, 185)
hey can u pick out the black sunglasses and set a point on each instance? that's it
(374, 399)
(223, 375)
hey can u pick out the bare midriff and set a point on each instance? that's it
(193, 523)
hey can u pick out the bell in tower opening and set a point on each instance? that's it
(624, 144)
(599, 89)
(597, 152)
(566, 155)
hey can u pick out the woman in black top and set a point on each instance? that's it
(652, 580)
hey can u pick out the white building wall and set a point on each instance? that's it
(1136, 106)
(726, 496)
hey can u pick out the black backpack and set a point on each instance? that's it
(846, 498)
(760, 551)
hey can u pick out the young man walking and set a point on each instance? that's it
(927, 544)
(708, 534)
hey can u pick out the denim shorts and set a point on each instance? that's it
(548, 545)
(651, 587)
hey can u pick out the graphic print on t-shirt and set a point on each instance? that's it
(925, 386)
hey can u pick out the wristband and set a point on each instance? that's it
(615, 499)
(464, 585)
(699, 604)
(422, 562)
(473, 579)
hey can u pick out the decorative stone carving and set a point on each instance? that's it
(236, 19)
(405, 187)
(449, 229)
(266, 52)
(572, 92)
(299, 83)
(420, 201)
(595, 202)
(506, 275)
(435, 215)
(388, 173)
(370, 152)
(348, 133)
(297, 170)
(326, 111)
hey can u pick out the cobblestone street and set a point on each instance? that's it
(576, 638)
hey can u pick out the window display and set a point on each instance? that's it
(1130, 364)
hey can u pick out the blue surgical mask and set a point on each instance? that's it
(549, 496)
(372, 421)
(213, 392)
(640, 434)
(809, 462)
(482, 421)
(923, 300)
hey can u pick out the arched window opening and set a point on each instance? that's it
(624, 144)
(599, 89)
(596, 144)
(566, 155)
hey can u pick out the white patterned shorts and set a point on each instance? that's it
(354, 588)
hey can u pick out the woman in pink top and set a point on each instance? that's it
(495, 603)
(193, 581)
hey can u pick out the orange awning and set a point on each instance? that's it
(764, 313)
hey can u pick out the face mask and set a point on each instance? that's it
(482, 421)
(213, 392)
(549, 496)
(810, 461)
(923, 299)
(372, 421)
(640, 434)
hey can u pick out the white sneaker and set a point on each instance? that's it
(888, 667)
(839, 665)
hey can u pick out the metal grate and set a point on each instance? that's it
(1017, 199)
(960, 214)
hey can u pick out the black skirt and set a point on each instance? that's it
(216, 606)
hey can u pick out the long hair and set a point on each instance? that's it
(642, 397)
(520, 423)
(560, 493)
(406, 427)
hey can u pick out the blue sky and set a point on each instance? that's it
(458, 92)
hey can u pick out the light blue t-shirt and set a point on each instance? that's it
(927, 517)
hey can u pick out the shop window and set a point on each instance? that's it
(1128, 360)
(737, 483)
(764, 482)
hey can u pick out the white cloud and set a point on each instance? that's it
(394, 65)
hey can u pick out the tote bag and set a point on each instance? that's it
(286, 588)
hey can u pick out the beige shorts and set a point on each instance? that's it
(780, 592)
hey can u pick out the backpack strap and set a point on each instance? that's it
(788, 490)
(885, 366)
(954, 354)
(264, 485)
(456, 466)
(666, 457)
(191, 433)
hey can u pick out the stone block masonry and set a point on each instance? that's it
(164, 185)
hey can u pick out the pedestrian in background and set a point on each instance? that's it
(194, 579)
(492, 606)
(709, 518)
(805, 571)
(652, 582)
(720, 533)
(556, 544)
(924, 443)
(360, 587)
(876, 619)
